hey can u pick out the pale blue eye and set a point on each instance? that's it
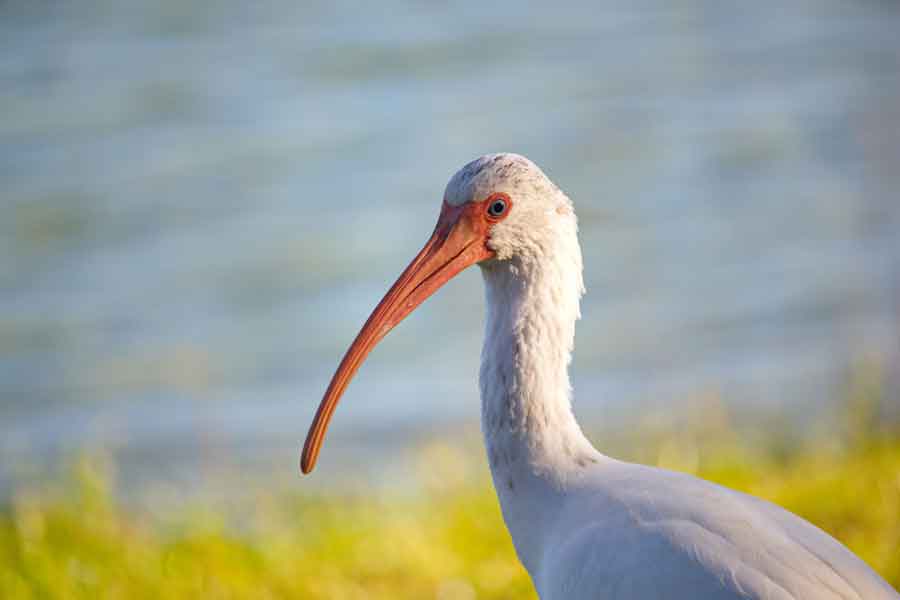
(497, 207)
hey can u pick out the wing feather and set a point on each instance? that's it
(639, 533)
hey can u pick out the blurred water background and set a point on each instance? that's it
(201, 203)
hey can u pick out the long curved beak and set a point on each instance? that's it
(459, 240)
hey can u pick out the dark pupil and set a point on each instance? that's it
(497, 208)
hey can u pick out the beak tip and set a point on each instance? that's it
(306, 465)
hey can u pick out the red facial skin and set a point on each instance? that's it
(459, 241)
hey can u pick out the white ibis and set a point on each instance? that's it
(586, 526)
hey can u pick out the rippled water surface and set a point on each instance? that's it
(202, 201)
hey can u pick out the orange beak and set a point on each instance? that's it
(459, 241)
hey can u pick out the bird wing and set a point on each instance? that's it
(638, 533)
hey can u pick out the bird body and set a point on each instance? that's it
(584, 525)
(631, 532)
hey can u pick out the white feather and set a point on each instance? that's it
(588, 527)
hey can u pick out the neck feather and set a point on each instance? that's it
(533, 303)
(536, 449)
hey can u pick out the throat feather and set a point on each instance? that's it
(527, 416)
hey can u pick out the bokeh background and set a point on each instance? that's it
(201, 202)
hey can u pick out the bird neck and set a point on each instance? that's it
(535, 447)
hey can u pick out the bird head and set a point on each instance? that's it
(524, 209)
(495, 208)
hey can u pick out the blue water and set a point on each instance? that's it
(203, 201)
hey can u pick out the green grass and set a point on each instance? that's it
(444, 538)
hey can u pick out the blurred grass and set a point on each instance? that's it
(441, 538)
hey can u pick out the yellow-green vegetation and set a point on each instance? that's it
(443, 538)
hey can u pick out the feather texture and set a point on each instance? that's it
(586, 526)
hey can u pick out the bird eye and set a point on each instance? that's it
(497, 207)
